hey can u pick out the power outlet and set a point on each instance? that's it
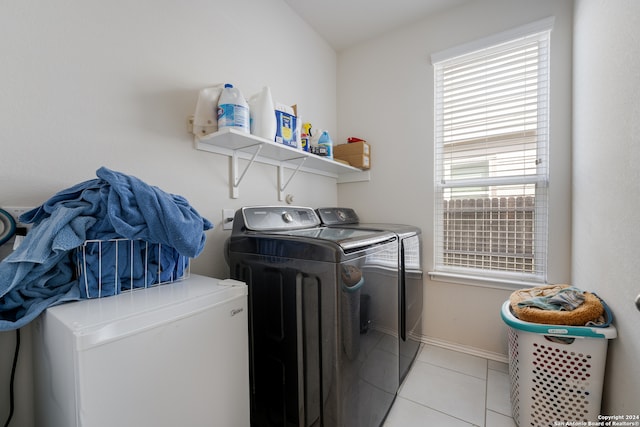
(15, 212)
(227, 219)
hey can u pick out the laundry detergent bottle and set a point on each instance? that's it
(326, 142)
(233, 110)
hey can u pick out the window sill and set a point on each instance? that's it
(508, 284)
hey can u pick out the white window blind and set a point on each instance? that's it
(491, 159)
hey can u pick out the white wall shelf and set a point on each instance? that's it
(240, 145)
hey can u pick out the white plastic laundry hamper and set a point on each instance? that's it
(556, 371)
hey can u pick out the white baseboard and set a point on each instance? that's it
(498, 357)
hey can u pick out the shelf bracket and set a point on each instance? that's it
(236, 180)
(282, 187)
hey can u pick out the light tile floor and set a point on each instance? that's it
(447, 388)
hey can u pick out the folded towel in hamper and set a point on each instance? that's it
(565, 298)
(40, 272)
(589, 310)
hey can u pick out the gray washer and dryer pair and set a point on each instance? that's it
(323, 318)
(410, 280)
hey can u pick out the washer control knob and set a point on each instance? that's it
(638, 302)
(287, 217)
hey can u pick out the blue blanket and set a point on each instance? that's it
(110, 267)
(566, 299)
(41, 272)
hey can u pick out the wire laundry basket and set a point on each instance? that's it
(110, 267)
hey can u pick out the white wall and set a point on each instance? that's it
(606, 177)
(385, 95)
(86, 84)
(93, 83)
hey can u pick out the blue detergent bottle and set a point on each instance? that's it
(233, 110)
(325, 141)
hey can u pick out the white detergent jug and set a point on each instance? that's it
(233, 110)
(263, 114)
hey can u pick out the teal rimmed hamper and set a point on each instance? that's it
(556, 372)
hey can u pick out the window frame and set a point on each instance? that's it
(539, 179)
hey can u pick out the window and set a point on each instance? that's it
(491, 157)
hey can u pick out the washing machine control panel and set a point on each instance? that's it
(338, 216)
(273, 218)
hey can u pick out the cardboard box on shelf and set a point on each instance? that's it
(286, 125)
(285, 129)
(357, 160)
(358, 154)
(353, 148)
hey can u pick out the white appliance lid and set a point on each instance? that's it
(97, 321)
